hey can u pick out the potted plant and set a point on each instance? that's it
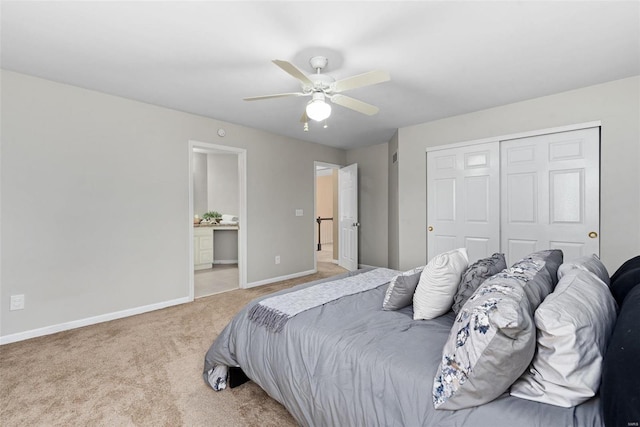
(212, 216)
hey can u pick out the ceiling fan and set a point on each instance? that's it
(321, 87)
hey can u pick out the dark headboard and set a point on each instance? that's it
(620, 388)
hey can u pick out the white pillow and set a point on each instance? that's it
(574, 325)
(587, 263)
(438, 284)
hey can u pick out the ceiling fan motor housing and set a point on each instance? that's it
(321, 82)
(318, 62)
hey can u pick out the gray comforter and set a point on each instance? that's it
(349, 363)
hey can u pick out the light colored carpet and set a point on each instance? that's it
(143, 370)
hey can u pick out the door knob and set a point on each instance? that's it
(356, 224)
(430, 228)
(593, 234)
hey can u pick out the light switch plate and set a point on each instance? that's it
(298, 212)
(17, 302)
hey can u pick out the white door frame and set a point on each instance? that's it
(315, 189)
(242, 214)
(538, 132)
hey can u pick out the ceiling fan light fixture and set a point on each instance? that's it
(321, 86)
(317, 108)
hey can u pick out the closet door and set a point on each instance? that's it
(463, 204)
(550, 187)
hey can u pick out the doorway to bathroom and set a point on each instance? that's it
(217, 208)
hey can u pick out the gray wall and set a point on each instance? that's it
(373, 206)
(394, 220)
(90, 226)
(215, 183)
(336, 223)
(200, 190)
(615, 104)
(222, 183)
(225, 246)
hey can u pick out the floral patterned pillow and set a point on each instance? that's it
(493, 338)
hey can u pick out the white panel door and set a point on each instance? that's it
(348, 217)
(551, 194)
(463, 200)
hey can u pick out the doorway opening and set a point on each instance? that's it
(326, 237)
(217, 246)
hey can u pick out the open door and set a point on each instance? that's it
(348, 217)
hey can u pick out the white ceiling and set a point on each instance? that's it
(445, 58)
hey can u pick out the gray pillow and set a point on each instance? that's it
(473, 277)
(573, 326)
(589, 263)
(400, 291)
(493, 338)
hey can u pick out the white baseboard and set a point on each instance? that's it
(48, 330)
(278, 279)
(367, 266)
(225, 261)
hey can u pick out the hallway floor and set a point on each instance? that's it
(221, 278)
(224, 277)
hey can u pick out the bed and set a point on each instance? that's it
(349, 362)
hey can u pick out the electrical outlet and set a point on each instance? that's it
(277, 259)
(17, 302)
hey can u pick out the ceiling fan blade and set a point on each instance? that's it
(293, 71)
(354, 104)
(365, 79)
(278, 95)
